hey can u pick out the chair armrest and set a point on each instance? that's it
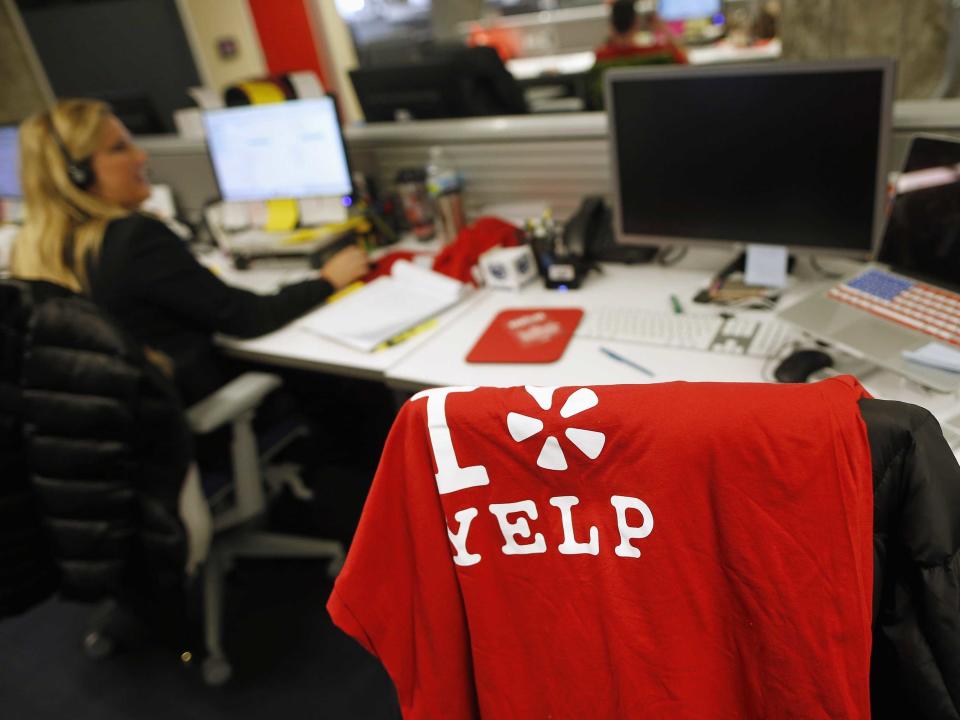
(237, 397)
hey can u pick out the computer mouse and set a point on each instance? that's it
(800, 365)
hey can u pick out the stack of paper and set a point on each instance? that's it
(935, 355)
(385, 307)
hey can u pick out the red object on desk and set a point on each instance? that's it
(526, 335)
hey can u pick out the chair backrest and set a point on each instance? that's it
(106, 446)
(28, 574)
(595, 97)
(588, 551)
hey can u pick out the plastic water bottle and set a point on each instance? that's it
(444, 185)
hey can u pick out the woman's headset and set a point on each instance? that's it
(80, 172)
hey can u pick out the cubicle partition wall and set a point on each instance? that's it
(556, 159)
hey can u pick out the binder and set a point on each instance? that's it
(386, 307)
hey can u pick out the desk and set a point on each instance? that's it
(441, 361)
(647, 286)
(293, 347)
(436, 357)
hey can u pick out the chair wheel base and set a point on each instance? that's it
(216, 671)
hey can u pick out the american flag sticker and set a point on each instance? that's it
(910, 304)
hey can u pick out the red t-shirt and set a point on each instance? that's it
(670, 551)
(660, 50)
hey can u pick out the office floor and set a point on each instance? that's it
(289, 661)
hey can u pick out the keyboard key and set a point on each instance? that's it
(730, 336)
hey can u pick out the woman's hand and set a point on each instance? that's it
(344, 267)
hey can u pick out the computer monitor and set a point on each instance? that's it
(788, 154)
(674, 10)
(291, 149)
(922, 235)
(10, 163)
(448, 83)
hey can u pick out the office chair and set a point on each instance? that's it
(594, 81)
(586, 551)
(68, 342)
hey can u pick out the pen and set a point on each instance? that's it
(407, 334)
(626, 361)
(677, 307)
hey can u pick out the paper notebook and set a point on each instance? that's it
(526, 335)
(385, 307)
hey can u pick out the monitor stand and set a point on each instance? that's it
(713, 293)
(739, 264)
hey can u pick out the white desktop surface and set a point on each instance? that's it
(292, 346)
(437, 357)
(442, 361)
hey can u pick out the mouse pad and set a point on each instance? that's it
(526, 335)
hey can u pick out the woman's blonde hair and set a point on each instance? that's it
(64, 225)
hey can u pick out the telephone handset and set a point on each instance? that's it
(582, 230)
(588, 235)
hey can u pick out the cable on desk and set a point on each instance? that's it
(665, 256)
(822, 271)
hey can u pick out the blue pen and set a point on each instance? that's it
(626, 361)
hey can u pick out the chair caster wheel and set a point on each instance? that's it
(97, 646)
(216, 671)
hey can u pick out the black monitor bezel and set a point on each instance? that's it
(887, 68)
(343, 143)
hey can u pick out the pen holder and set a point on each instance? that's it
(508, 268)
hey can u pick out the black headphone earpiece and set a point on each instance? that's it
(80, 172)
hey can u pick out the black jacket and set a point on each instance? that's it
(106, 446)
(27, 571)
(915, 666)
(149, 282)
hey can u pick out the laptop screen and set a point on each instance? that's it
(922, 237)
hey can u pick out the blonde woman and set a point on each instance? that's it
(83, 181)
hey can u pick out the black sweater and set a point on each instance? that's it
(147, 279)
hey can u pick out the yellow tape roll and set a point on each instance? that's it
(261, 91)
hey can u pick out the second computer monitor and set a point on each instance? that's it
(283, 150)
(9, 163)
(673, 10)
(788, 154)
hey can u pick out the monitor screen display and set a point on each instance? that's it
(779, 154)
(922, 237)
(9, 163)
(284, 150)
(672, 10)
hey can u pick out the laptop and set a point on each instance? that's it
(911, 296)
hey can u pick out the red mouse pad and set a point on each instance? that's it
(526, 335)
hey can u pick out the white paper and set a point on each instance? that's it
(205, 98)
(766, 266)
(935, 355)
(321, 211)
(306, 84)
(189, 122)
(234, 216)
(385, 307)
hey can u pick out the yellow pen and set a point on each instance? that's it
(407, 334)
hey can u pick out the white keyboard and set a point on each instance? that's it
(712, 333)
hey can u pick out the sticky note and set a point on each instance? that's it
(766, 266)
(935, 355)
(281, 215)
